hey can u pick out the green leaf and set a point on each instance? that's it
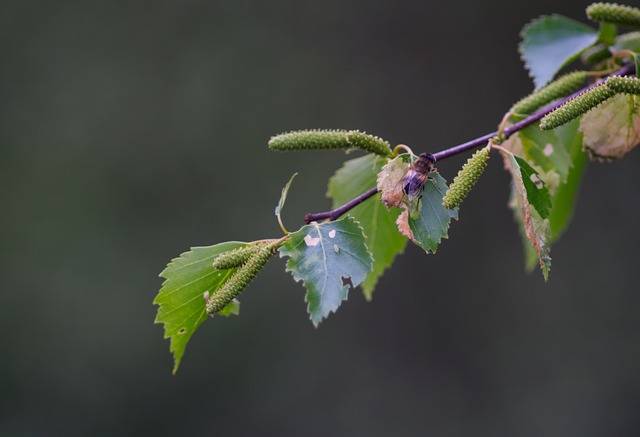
(551, 43)
(558, 158)
(378, 223)
(326, 257)
(432, 223)
(564, 199)
(533, 206)
(537, 193)
(612, 129)
(232, 309)
(628, 41)
(181, 298)
(546, 149)
(283, 199)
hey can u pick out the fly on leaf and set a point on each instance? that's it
(412, 183)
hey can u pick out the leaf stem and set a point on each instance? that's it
(396, 150)
(469, 145)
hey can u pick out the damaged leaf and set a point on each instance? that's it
(613, 129)
(328, 258)
(388, 181)
(382, 238)
(533, 207)
(558, 158)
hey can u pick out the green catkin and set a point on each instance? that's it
(238, 281)
(466, 179)
(596, 54)
(559, 88)
(576, 107)
(236, 257)
(614, 13)
(329, 139)
(626, 85)
(370, 143)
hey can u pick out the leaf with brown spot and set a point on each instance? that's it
(382, 238)
(403, 225)
(612, 129)
(533, 207)
(389, 185)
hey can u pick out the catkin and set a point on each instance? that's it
(466, 179)
(626, 85)
(576, 107)
(560, 87)
(239, 280)
(614, 13)
(236, 257)
(370, 143)
(330, 139)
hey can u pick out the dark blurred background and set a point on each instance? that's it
(131, 131)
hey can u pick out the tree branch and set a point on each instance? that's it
(477, 142)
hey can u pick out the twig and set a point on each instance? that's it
(336, 213)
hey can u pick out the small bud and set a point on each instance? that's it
(329, 139)
(239, 280)
(576, 107)
(626, 85)
(466, 179)
(561, 87)
(236, 257)
(614, 13)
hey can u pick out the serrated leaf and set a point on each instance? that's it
(328, 258)
(612, 129)
(562, 176)
(550, 43)
(181, 298)
(431, 225)
(378, 223)
(533, 206)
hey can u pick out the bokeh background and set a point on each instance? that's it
(131, 131)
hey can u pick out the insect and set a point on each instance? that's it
(413, 181)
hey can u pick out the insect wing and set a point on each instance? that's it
(415, 186)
